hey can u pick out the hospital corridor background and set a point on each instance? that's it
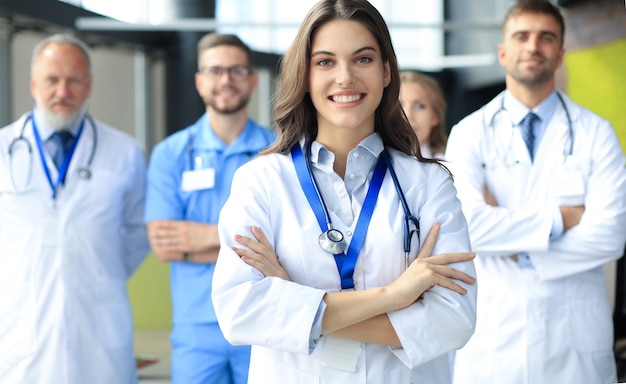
(144, 60)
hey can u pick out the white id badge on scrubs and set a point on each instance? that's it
(197, 180)
(341, 353)
(51, 236)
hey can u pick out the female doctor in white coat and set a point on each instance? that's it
(367, 313)
(543, 313)
(67, 248)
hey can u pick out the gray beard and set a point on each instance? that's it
(59, 123)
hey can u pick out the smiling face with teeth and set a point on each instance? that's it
(223, 93)
(347, 78)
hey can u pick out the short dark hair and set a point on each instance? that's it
(212, 40)
(536, 6)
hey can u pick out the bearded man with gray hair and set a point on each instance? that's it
(71, 231)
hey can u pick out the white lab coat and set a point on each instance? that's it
(64, 313)
(551, 324)
(276, 316)
(428, 153)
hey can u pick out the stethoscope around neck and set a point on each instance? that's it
(84, 172)
(567, 150)
(332, 240)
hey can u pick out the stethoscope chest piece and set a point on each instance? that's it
(84, 173)
(332, 241)
(21, 185)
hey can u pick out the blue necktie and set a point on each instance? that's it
(528, 133)
(62, 140)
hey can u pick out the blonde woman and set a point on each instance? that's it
(425, 107)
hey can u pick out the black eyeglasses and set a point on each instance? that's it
(236, 72)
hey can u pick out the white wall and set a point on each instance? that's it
(113, 93)
(112, 99)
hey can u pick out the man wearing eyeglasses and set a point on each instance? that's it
(189, 178)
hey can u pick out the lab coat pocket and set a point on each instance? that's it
(568, 182)
(114, 315)
(276, 372)
(590, 329)
(17, 327)
(431, 372)
(399, 374)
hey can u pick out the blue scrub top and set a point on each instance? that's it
(165, 200)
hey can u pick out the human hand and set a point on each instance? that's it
(489, 199)
(260, 255)
(171, 238)
(571, 216)
(427, 271)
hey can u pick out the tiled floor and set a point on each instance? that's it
(154, 344)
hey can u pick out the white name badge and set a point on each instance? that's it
(341, 353)
(197, 180)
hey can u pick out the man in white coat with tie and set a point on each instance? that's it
(71, 231)
(544, 216)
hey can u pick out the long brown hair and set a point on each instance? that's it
(294, 113)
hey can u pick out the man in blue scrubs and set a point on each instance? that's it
(189, 178)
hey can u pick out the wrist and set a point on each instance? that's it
(386, 299)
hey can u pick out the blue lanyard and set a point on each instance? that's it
(66, 161)
(345, 261)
